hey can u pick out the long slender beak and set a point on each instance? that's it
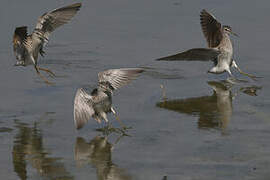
(234, 34)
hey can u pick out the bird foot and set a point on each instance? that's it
(45, 79)
(51, 74)
(107, 130)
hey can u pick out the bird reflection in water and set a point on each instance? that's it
(98, 153)
(214, 111)
(29, 149)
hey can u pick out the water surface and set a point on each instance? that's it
(199, 133)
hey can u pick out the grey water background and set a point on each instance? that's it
(37, 135)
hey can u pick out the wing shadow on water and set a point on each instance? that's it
(28, 149)
(98, 153)
(214, 111)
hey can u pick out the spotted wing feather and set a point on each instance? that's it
(211, 28)
(117, 78)
(48, 22)
(83, 108)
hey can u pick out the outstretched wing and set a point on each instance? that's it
(83, 108)
(19, 38)
(211, 28)
(48, 22)
(116, 78)
(196, 54)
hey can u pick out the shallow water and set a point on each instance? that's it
(204, 130)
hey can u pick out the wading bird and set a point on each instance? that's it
(220, 49)
(99, 102)
(28, 47)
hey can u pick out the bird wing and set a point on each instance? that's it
(48, 22)
(211, 28)
(19, 38)
(83, 108)
(116, 78)
(196, 54)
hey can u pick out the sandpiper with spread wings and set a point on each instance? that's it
(99, 102)
(220, 49)
(28, 47)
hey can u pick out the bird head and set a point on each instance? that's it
(228, 30)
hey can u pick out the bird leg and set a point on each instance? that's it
(47, 70)
(116, 141)
(42, 77)
(117, 118)
(233, 95)
(241, 72)
(109, 126)
(231, 78)
(229, 71)
(164, 97)
(104, 116)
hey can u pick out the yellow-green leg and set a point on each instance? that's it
(42, 77)
(47, 70)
